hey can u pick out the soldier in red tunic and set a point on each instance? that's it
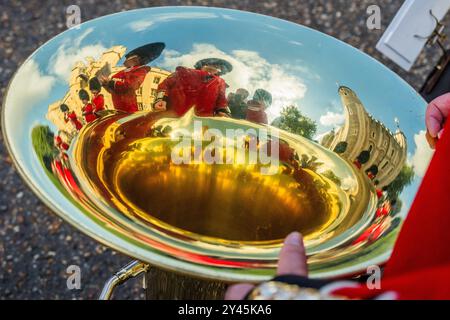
(88, 108)
(123, 85)
(98, 101)
(201, 87)
(60, 144)
(256, 110)
(70, 116)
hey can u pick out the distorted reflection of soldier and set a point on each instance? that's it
(256, 110)
(88, 108)
(123, 85)
(59, 143)
(237, 103)
(70, 116)
(98, 100)
(201, 87)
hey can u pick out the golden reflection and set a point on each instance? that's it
(130, 166)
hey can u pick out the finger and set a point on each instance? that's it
(431, 141)
(437, 111)
(292, 258)
(238, 291)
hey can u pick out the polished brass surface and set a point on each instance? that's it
(98, 140)
(132, 170)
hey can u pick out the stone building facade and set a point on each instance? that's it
(366, 142)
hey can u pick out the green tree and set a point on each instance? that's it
(294, 121)
(404, 178)
(310, 163)
(332, 176)
(42, 139)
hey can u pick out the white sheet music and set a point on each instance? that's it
(405, 37)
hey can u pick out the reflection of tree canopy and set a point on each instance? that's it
(332, 176)
(404, 178)
(373, 169)
(363, 157)
(292, 120)
(310, 163)
(42, 139)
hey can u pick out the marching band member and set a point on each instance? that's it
(98, 100)
(237, 103)
(123, 84)
(256, 110)
(88, 108)
(202, 88)
(70, 116)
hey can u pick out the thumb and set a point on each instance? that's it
(436, 113)
(292, 259)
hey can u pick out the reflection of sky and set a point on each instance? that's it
(309, 63)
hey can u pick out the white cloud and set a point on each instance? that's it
(320, 136)
(332, 119)
(141, 25)
(70, 52)
(29, 87)
(297, 43)
(228, 17)
(305, 71)
(250, 71)
(271, 26)
(147, 24)
(422, 156)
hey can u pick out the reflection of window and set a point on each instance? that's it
(363, 157)
(373, 134)
(372, 170)
(153, 92)
(341, 147)
(385, 165)
(156, 80)
(392, 152)
(389, 172)
(384, 143)
(370, 148)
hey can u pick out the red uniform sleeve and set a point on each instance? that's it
(99, 103)
(88, 109)
(222, 101)
(132, 81)
(168, 83)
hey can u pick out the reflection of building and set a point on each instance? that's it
(366, 141)
(145, 94)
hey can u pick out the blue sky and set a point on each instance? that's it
(298, 65)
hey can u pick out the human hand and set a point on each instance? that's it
(103, 80)
(223, 114)
(292, 261)
(435, 117)
(161, 105)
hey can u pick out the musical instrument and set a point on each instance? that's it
(276, 128)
